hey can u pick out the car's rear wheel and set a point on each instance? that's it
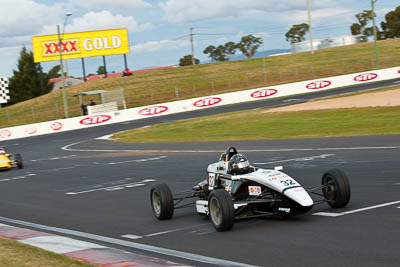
(221, 210)
(336, 188)
(18, 160)
(162, 202)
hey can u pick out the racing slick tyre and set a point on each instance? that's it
(221, 210)
(18, 160)
(336, 188)
(162, 202)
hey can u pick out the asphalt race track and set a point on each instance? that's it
(100, 190)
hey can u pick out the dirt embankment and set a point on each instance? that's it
(374, 99)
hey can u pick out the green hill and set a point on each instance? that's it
(164, 85)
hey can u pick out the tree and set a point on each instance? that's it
(211, 50)
(249, 44)
(27, 82)
(54, 72)
(297, 32)
(391, 28)
(230, 49)
(221, 54)
(187, 60)
(361, 27)
(101, 70)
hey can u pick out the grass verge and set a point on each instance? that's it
(256, 125)
(15, 254)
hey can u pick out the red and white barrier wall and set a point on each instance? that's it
(198, 103)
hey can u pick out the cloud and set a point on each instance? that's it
(297, 17)
(181, 11)
(163, 45)
(25, 17)
(100, 21)
(113, 4)
(9, 57)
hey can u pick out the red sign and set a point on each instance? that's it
(31, 130)
(206, 102)
(264, 93)
(95, 119)
(5, 133)
(153, 110)
(318, 84)
(365, 77)
(66, 47)
(56, 126)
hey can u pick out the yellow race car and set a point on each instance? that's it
(7, 161)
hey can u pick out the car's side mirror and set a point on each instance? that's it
(8, 155)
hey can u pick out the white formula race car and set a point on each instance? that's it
(236, 190)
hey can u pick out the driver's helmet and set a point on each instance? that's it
(238, 164)
(2, 151)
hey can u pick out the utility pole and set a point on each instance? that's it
(64, 92)
(191, 43)
(375, 33)
(310, 27)
(264, 65)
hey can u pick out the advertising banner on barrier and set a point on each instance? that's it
(80, 44)
(198, 103)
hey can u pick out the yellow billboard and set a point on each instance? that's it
(80, 44)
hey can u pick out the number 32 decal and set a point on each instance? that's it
(288, 182)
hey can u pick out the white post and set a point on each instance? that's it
(310, 27)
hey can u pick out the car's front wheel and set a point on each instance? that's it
(220, 207)
(162, 202)
(336, 188)
(18, 160)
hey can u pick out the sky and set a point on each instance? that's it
(159, 29)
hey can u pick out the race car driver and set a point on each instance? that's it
(239, 164)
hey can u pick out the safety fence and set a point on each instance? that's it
(199, 103)
(172, 84)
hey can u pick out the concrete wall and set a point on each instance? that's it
(329, 42)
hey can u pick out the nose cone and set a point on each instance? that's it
(299, 195)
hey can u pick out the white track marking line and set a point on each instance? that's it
(55, 158)
(124, 243)
(327, 214)
(67, 148)
(372, 207)
(17, 177)
(128, 161)
(323, 156)
(396, 184)
(165, 232)
(110, 188)
(132, 236)
(357, 210)
(59, 169)
(134, 185)
(105, 137)
(168, 231)
(114, 187)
